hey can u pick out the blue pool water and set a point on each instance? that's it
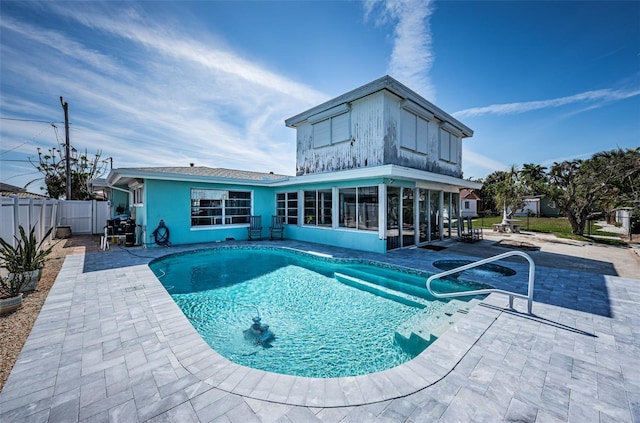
(323, 326)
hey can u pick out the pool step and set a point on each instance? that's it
(423, 328)
(409, 284)
(382, 291)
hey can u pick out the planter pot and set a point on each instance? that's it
(63, 232)
(31, 281)
(10, 304)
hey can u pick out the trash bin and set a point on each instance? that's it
(130, 234)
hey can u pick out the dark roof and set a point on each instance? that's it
(10, 188)
(212, 172)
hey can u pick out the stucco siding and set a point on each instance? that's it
(170, 201)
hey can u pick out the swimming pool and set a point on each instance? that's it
(330, 318)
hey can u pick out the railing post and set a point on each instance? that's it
(529, 296)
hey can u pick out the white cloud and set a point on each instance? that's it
(412, 54)
(604, 96)
(476, 165)
(147, 94)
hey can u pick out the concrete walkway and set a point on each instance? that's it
(111, 345)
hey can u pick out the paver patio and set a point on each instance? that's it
(111, 345)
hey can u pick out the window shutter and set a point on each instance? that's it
(322, 133)
(340, 128)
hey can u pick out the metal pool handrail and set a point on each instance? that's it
(528, 297)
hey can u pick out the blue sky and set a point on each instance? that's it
(211, 82)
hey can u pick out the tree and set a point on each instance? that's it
(508, 191)
(533, 178)
(605, 181)
(83, 169)
(487, 192)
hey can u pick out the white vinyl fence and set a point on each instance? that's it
(84, 217)
(28, 213)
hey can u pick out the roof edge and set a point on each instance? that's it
(385, 83)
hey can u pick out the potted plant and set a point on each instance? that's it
(10, 295)
(24, 261)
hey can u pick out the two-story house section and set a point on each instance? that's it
(377, 168)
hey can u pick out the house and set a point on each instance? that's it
(7, 190)
(469, 203)
(537, 205)
(377, 168)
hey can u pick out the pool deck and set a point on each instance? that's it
(111, 345)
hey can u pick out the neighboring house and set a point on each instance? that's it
(377, 168)
(623, 216)
(537, 205)
(7, 190)
(469, 203)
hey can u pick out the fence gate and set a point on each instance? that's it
(84, 217)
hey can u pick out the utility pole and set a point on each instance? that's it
(65, 107)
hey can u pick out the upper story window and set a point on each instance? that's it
(449, 146)
(331, 126)
(212, 207)
(287, 206)
(415, 129)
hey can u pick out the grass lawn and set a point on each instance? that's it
(554, 225)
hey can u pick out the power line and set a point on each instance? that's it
(30, 120)
(31, 139)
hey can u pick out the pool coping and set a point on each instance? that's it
(202, 361)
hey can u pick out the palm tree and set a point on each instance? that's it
(533, 178)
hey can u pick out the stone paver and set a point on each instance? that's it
(111, 345)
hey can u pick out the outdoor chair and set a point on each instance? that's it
(277, 226)
(477, 234)
(465, 230)
(255, 227)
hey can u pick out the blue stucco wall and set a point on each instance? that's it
(171, 201)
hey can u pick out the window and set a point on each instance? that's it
(449, 146)
(466, 205)
(331, 126)
(358, 208)
(287, 206)
(415, 131)
(210, 207)
(318, 207)
(138, 191)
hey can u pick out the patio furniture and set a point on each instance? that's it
(277, 227)
(255, 227)
(509, 226)
(470, 234)
(465, 230)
